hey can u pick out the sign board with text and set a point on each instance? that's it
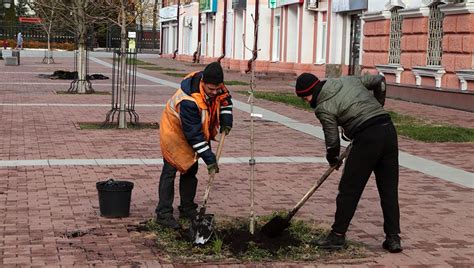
(168, 13)
(348, 5)
(206, 6)
(280, 3)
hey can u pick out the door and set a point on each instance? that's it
(354, 66)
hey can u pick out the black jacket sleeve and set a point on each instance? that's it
(226, 117)
(192, 129)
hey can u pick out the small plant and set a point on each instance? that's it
(217, 245)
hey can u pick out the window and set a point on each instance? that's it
(435, 36)
(321, 38)
(396, 22)
(276, 38)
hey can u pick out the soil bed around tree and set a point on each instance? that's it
(232, 242)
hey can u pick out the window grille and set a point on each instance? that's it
(396, 22)
(435, 36)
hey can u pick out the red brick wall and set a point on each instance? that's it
(458, 47)
(414, 45)
(375, 44)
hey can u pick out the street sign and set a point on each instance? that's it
(132, 34)
(29, 20)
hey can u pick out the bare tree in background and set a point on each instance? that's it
(155, 16)
(49, 16)
(76, 16)
(124, 14)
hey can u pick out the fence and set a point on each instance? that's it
(144, 39)
(33, 32)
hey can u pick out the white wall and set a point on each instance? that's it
(379, 5)
(264, 32)
(337, 35)
(307, 39)
(292, 34)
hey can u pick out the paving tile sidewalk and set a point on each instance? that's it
(41, 205)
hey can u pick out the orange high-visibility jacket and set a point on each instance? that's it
(174, 146)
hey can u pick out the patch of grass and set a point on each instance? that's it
(282, 97)
(136, 61)
(421, 130)
(95, 92)
(176, 74)
(407, 126)
(233, 242)
(98, 125)
(158, 68)
(236, 83)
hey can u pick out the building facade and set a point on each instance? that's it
(418, 42)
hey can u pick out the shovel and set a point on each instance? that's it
(278, 224)
(202, 227)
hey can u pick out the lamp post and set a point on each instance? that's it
(7, 3)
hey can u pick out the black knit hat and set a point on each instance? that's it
(305, 84)
(213, 74)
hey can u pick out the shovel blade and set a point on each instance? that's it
(202, 229)
(275, 226)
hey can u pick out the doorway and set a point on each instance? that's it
(354, 61)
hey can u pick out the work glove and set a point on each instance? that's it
(213, 168)
(225, 129)
(333, 160)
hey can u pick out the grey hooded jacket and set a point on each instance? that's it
(348, 102)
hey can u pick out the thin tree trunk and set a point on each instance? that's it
(81, 68)
(123, 74)
(153, 30)
(48, 55)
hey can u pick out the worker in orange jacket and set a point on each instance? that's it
(192, 118)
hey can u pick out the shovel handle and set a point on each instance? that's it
(202, 211)
(318, 183)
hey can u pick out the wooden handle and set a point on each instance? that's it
(213, 174)
(318, 183)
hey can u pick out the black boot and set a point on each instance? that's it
(168, 222)
(392, 243)
(332, 241)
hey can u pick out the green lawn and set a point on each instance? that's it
(158, 68)
(182, 75)
(236, 83)
(407, 126)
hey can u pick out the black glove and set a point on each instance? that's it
(213, 168)
(333, 159)
(225, 129)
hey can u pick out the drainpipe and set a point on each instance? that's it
(195, 54)
(177, 33)
(224, 32)
(255, 40)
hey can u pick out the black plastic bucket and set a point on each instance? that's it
(114, 198)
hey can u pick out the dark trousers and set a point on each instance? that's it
(187, 190)
(373, 149)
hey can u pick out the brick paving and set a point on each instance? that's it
(40, 206)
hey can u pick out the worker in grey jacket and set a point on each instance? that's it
(356, 105)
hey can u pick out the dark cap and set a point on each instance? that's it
(305, 84)
(213, 74)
